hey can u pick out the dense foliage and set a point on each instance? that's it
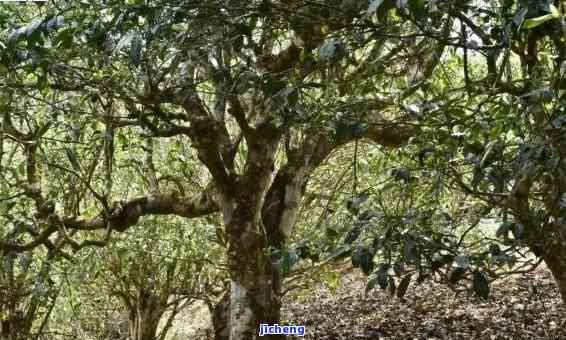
(424, 139)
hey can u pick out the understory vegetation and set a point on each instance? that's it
(157, 157)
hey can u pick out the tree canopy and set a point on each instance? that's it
(295, 132)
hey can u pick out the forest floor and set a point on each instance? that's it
(514, 310)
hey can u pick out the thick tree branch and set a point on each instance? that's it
(124, 215)
(127, 214)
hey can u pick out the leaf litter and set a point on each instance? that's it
(527, 306)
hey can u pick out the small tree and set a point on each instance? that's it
(28, 294)
(160, 269)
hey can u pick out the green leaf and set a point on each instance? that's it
(353, 235)
(554, 11)
(372, 281)
(418, 7)
(456, 275)
(519, 17)
(327, 51)
(270, 86)
(339, 253)
(403, 285)
(379, 278)
(410, 251)
(123, 140)
(32, 28)
(353, 205)
(64, 38)
(283, 260)
(362, 257)
(480, 285)
(135, 50)
(382, 277)
(6, 207)
(534, 22)
(518, 231)
(72, 156)
(461, 262)
(392, 286)
(332, 233)
(332, 279)
(373, 7)
(503, 229)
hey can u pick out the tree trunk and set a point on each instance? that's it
(221, 317)
(255, 286)
(555, 259)
(254, 296)
(15, 328)
(259, 212)
(144, 319)
(142, 326)
(253, 299)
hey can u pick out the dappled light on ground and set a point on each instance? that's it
(514, 311)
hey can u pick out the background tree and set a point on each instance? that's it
(490, 133)
(154, 270)
(28, 294)
(169, 273)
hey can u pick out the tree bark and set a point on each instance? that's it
(144, 319)
(221, 317)
(555, 258)
(254, 296)
(253, 299)
(15, 328)
(142, 326)
(262, 219)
